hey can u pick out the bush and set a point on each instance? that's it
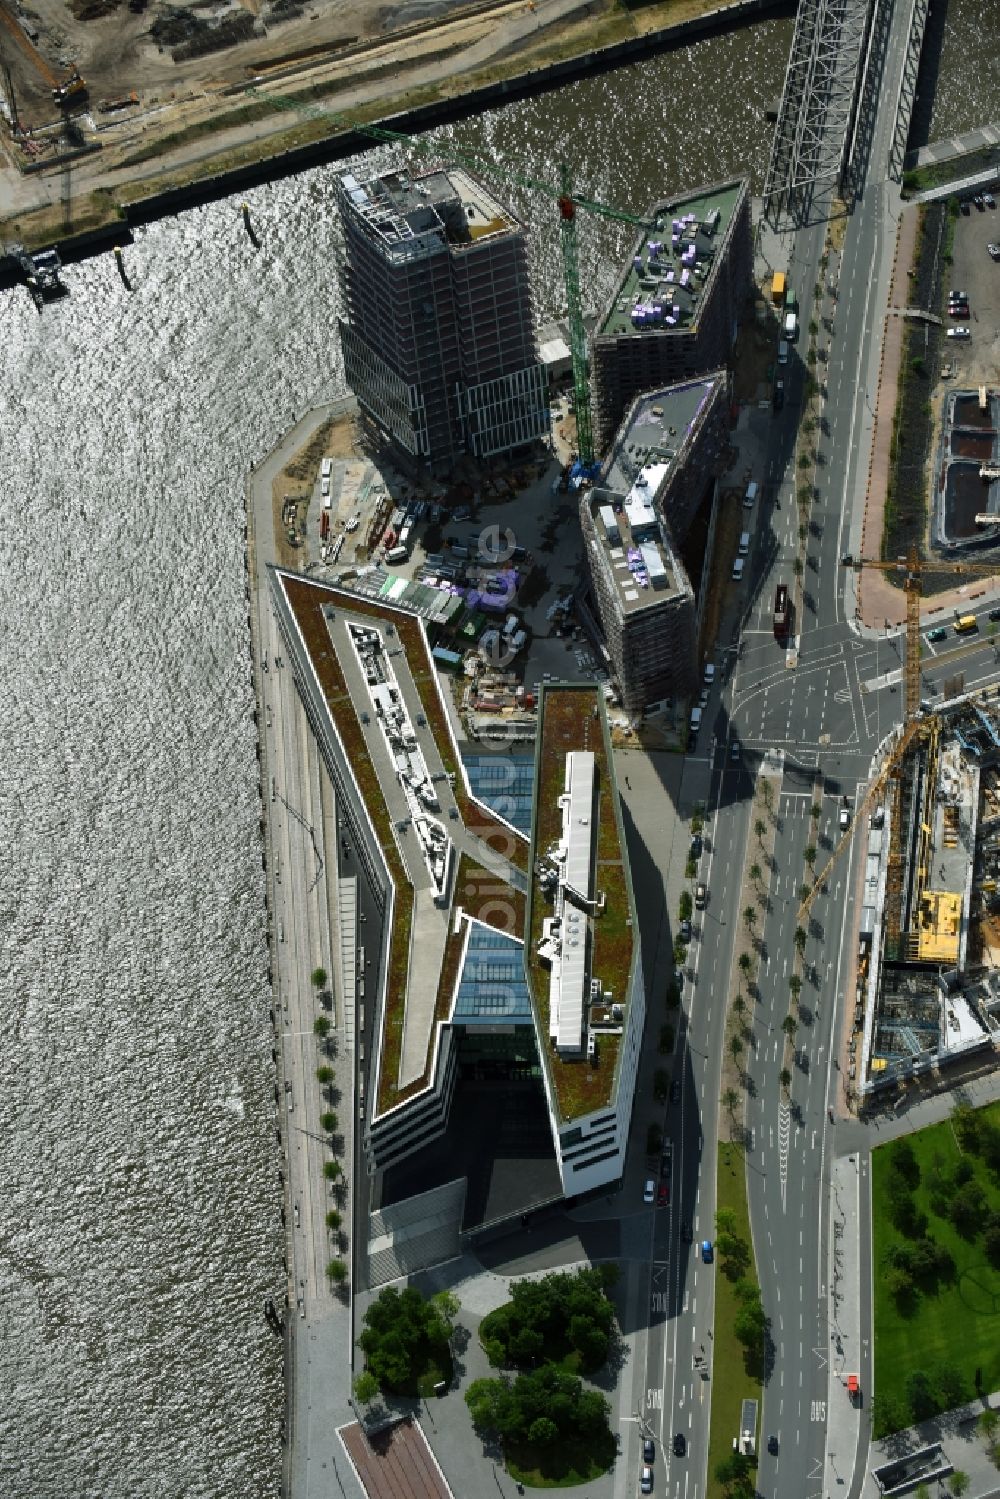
(324, 1076)
(328, 1121)
(685, 906)
(337, 1271)
(319, 978)
(321, 1026)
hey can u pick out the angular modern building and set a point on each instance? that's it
(660, 465)
(493, 997)
(675, 309)
(438, 330)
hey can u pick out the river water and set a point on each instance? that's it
(141, 1232)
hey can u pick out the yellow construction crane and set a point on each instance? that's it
(912, 568)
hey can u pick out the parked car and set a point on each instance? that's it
(958, 296)
(734, 751)
(686, 1233)
(649, 1191)
(778, 399)
(648, 1450)
(994, 251)
(696, 846)
(938, 633)
(663, 1194)
(646, 1481)
(700, 896)
(680, 1444)
(958, 309)
(989, 200)
(980, 202)
(959, 333)
(994, 614)
(685, 931)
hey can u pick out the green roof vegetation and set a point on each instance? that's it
(476, 888)
(572, 718)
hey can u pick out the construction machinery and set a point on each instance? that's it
(918, 724)
(568, 201)
(73, 90)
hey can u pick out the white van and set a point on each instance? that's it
(327, 468)
(744, 547)
(751, 495)
(782, 352)
(397, 554)
(709, 674)
(694, 722)
(738, 570)
(324, 488)
(791, 327)
(327, 501)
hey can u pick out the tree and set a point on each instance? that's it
(785, 1078)
(324, 1076)
(804, 891)
(760, 828)
(988, 1422)
(736, 1047)
(333, 1219)
(810, 854)
(337, 1271)
(903, 1160)
(331, 1170)
(968, 1209)
(815, 811)
(542, 1432)
(730, 1099)
(328, 1121)
(734, 1469)
(899, 1284)
(920, 1394)
(795, 986)
(950, 1386)
(756, 873)
(749, 918)
(958, 1483)
(321, 1026)
(739, 1006)
(319, 978)
(800, 938)
(549, 1318)
(365, 1387)
(789, 1026)
(746, 962)
(404, 1334)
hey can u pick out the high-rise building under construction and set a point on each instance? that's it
(437, 331)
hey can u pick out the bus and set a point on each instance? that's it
(781, 612)
(964, 623)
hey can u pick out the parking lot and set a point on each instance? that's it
(977, 359)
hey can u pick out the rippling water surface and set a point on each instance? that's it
(963, 91)
(141, 1230)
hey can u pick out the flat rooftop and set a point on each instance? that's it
(574, 765)
(448, 205)
(647, 451)
(450, 858)
(671, 266)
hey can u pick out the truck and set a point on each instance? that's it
(781, 612)
(778, 289)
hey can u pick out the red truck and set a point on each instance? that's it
(781, 612)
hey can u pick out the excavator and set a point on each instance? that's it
(73, 90)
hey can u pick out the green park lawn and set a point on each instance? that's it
(731, 1384)
(561, 1466)
(956, 1326)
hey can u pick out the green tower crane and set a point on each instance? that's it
(568, 202)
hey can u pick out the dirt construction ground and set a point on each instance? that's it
(314, 66)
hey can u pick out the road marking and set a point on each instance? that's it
(654, 1400)
(818, 1410)
(784, 1127)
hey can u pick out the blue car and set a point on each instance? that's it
(707, 1252)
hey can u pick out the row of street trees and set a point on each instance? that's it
(333, 1171)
